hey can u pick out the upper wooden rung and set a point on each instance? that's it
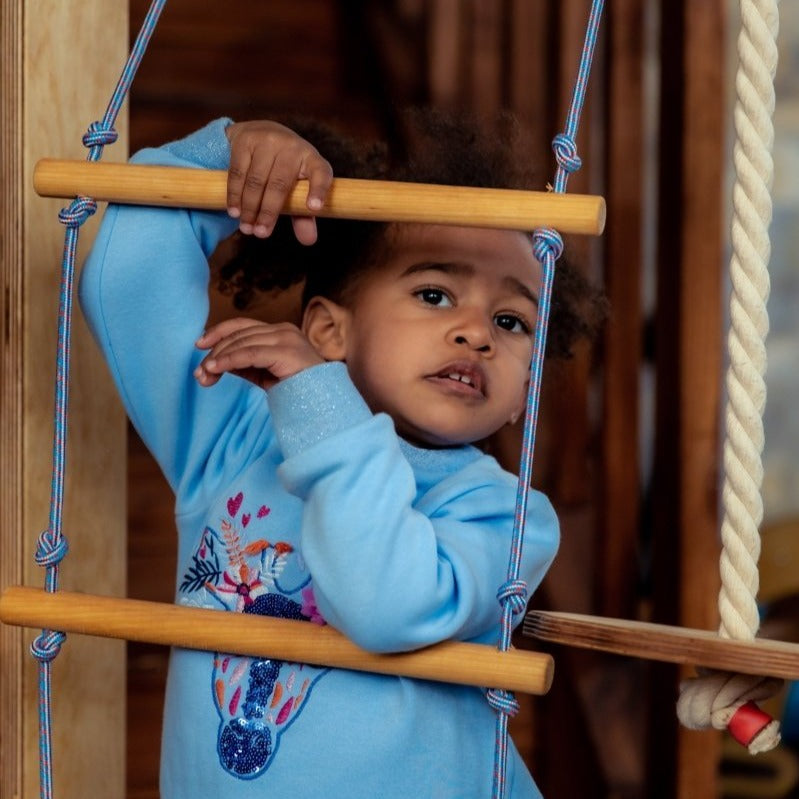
(379, 201)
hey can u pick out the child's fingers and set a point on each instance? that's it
(304, 229)
(283, 176)
(214, 334)
(259, 362)
(261, 353)
(206, 378)
(244, 334)
(228, 356)
(264, 192)
(236, 176)
(263, 336)
(320, 179)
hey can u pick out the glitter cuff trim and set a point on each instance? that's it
(313, 405)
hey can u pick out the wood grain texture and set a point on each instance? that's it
(55, 81)
(666, 643)
(12, 708)
(701, 287)
(199, 628)
(348, 198)
(621, 471)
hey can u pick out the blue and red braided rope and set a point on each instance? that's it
(547, 248)
(52, 544)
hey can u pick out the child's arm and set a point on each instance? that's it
(144, 292)
(400, 558)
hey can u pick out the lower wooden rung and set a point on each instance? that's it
(268, 637)
(662, 642)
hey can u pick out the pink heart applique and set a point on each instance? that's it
(263, 511)
(234, 503)
(245, 519)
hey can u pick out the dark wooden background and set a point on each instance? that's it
(638, 504)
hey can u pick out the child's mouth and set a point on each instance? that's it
(465, 378)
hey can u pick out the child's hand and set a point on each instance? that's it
(259, 352)
(266, 161)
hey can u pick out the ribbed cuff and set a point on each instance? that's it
(313, 405)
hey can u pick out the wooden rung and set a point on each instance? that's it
(662, 642)
(381, 201)
(267, 637)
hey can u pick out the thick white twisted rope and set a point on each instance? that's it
(754, 168)
(711, 700)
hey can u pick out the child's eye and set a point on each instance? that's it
(433, 296)
(512, 323)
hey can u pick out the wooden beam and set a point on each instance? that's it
(638, 639)
(701, 352)
(55, 79)
(689, 362)
(620, 471)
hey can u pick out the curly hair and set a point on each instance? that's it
(438, 148)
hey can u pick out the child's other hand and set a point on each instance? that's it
(259, 352)
(266, 161)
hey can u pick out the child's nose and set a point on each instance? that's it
(475, 331)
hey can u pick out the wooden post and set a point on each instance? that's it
(701, 353)
(689, 360)
(60, 62)
(620, 518)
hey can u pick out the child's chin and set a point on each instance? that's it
(439, 440)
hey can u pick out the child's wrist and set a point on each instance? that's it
(314, 404)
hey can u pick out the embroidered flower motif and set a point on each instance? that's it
(237, 567)
(248, 588)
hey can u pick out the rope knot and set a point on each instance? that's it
(566, 153)
(545, 241)
(47, 645)
(503, 701)
(513, 592)
(722, 700)
(98, 135)
(77, 212)
(50, 549)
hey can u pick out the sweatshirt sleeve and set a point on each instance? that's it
(144, 293)
(391, 570)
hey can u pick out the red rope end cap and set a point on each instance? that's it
(747, 722)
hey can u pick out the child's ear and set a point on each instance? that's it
(325, 323)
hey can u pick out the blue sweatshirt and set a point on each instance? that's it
(301, 503)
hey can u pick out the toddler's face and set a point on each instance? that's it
(440, 336)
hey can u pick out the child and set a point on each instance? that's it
(325, 472)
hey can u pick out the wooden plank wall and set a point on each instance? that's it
(521, 54)
(55, 81)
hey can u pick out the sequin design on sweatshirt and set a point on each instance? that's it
(239, 567)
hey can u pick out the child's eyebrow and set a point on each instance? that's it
(514, 285)
(517, 287)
